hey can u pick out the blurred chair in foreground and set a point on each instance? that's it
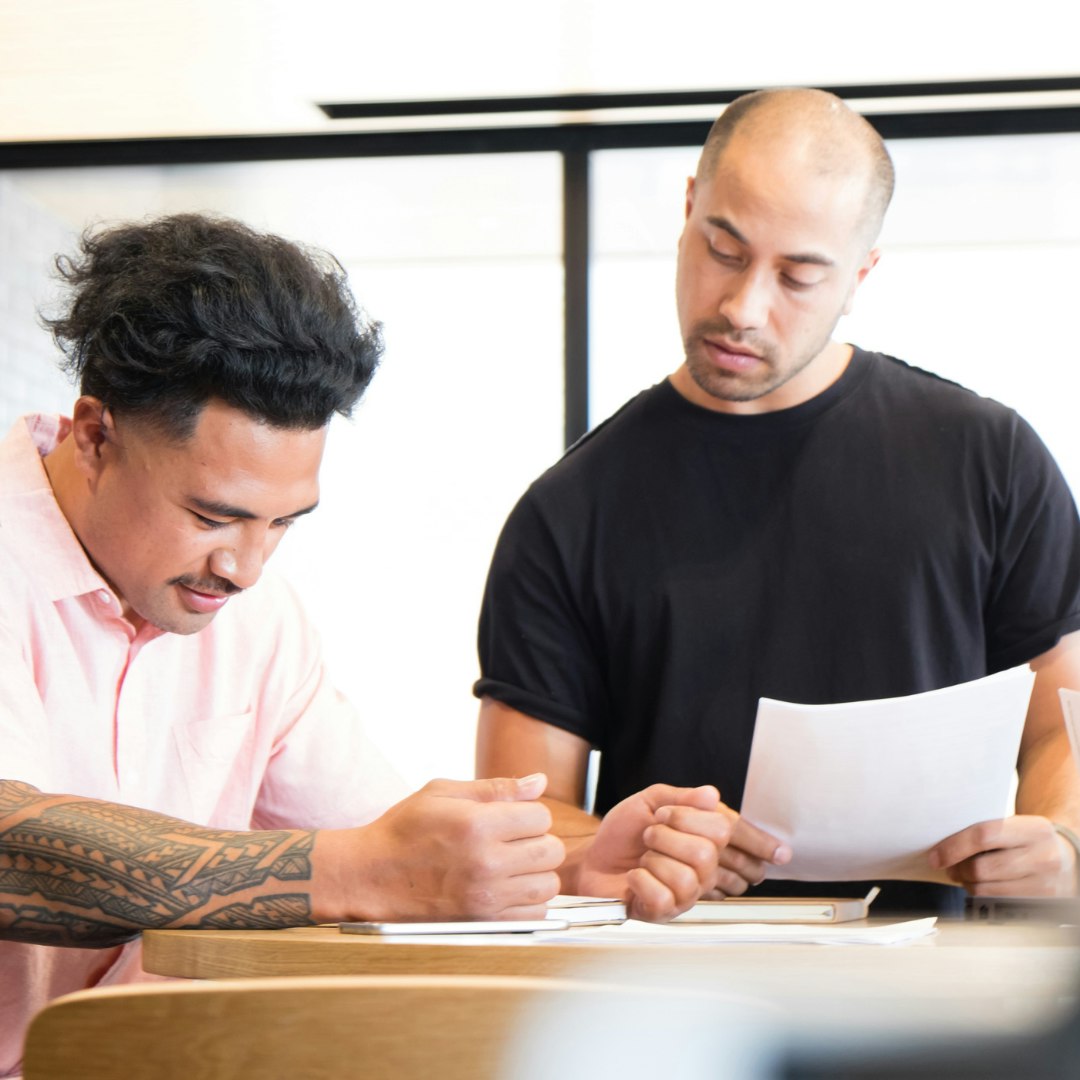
(400, 1026)
(446, 1026)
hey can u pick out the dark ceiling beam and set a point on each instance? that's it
(195, 150)
(368, 110)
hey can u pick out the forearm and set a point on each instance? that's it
(1049, 782)
(80, 872)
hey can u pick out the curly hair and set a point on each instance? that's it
(164, 316)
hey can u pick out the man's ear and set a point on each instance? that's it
(868, 264)
(94, 433)
(689, 196)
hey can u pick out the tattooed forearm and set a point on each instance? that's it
(266, 913)
(38, 925)
(94, 873)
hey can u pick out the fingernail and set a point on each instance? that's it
(781, 855)
(663, 815)
(528, 781)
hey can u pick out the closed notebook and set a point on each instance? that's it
(781, 909)
(586, 910)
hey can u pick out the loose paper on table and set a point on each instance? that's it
(862, 790)
(641, 933)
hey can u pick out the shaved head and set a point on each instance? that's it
(815, 128)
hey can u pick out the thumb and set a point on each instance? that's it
(507, 789)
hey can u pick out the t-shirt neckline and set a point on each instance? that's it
(850, 379)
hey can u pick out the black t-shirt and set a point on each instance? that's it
(895, 534)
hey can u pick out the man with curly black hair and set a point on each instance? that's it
(173, 753)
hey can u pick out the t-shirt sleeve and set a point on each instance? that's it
(1035, 591)
(539, 653)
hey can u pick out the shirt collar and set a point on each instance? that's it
(30, 516)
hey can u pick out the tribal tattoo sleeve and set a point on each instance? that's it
(85, 873)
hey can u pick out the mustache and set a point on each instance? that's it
(212, 585)
(723, 329)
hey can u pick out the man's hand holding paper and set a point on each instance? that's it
(1021, 855)
(865, 790)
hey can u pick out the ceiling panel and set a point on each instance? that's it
(119, 68)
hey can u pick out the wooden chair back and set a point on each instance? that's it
(445, 1027)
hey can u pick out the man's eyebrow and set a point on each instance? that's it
(723, 223)
(808, 258)
(220, 509)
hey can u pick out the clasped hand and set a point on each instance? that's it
(462, 850)
(665, 848)
(482, 850)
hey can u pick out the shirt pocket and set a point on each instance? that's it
(218, 777)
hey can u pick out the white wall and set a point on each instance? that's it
(30, 236)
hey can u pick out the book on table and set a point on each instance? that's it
(586, 910)
(780, 909)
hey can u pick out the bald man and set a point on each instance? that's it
(785, 516)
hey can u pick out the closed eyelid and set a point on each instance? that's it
(796, 279)
(234, 513)
(210, 522)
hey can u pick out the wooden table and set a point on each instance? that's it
(965, 978)
(980, 986)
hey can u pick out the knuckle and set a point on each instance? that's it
(547, 887)
(481, 866)
(702, 854)
(733, 860)
(472, 825)
(731, 884)
(488, 867)
(535, 818)
(479, 900)
(552, 852)
(681, 880)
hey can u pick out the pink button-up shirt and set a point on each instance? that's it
(234, 727)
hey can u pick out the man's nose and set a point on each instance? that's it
(745, 303)
(241, 564)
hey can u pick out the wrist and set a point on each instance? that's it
(340, 880)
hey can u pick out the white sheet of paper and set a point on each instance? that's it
(862, 790)
(1070, 704)
(633, 932)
